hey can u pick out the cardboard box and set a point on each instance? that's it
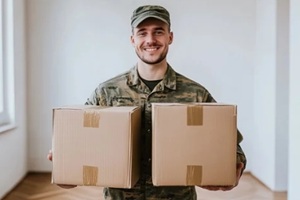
(194, 144)
(97, 146)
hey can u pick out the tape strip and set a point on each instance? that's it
(90, 175)
(194, 175)
(195, 115)
(91, 118)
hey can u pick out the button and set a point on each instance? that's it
(149, 160)
(149, 130)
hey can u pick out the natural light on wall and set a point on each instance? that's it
(6, 66)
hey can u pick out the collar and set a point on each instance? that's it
(168, 81)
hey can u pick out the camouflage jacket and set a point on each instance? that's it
(128, 89)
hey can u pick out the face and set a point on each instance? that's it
(151, 40)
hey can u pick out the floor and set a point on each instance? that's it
(36, 186)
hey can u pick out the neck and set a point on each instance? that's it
(152, 72)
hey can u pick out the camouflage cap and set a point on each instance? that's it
(147, 11)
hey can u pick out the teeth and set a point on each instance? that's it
(152, 49)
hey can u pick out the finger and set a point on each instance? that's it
(49, 156)
(240, 165)
(212, 188)
(226, 188)
(67, 186)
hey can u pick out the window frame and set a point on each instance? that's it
(7, 116)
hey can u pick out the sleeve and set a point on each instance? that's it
(241, 157)
(98, 97)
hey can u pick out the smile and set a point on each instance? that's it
(151, 49)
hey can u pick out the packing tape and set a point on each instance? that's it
(194, 175)
(194, 115)
(91, 118)
(90, 175)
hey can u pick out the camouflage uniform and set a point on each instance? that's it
(128, 89)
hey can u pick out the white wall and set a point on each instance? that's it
(271, 94)
(282, 95)
(13, 143)
(265, 91)
(75, 45)
(294, 140)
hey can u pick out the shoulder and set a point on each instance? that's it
(99, 95)
(116, 81)
(186, 85)
(187, 82)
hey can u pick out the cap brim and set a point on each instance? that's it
(138, 21)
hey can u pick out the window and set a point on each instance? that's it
(6, 66)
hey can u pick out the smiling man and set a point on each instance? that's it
(153, 80)
(151, 37)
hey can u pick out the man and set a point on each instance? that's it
(153, 80)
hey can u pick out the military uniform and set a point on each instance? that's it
(128, 89)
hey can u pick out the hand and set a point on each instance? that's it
(49, 156)
(239, 168)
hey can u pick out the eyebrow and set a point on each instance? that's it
(159, 28)
(156, 29)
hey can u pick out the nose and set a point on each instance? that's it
(151, 39)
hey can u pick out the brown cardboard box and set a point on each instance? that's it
(194, 144)
(96, 146)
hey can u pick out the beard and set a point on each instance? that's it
(161, 57)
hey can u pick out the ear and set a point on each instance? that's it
(132, 40)
(170, 37)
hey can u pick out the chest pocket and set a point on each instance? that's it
(123, 101)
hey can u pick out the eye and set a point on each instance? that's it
(142, 34)
(159, 32)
